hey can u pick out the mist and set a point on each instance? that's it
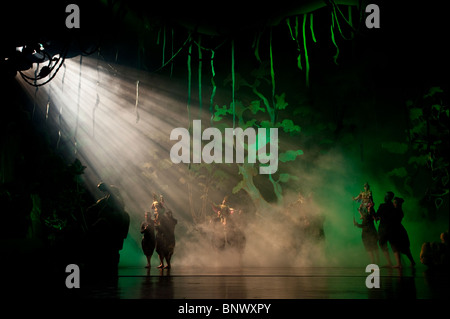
(119, 128)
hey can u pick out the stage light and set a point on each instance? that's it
(45, 70)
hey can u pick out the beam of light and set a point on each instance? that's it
(93, 106)
(93, 118)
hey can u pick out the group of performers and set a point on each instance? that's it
(158, 233)
(158, 229)
(390, 228)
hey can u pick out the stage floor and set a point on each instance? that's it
(269, 283)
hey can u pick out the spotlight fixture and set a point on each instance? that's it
(44, 72)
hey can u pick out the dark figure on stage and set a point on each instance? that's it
(399, 239)
(148, 239)
(369, 235)
(165, 237)
(435, 255)
(386, 214)
(108, 230)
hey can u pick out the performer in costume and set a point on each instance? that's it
(366, 200)
(148, 238)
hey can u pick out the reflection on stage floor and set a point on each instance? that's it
(269, 283)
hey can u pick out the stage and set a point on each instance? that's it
(269, 283)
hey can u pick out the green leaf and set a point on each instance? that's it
(255, 107)
(415, 113)
(395, 147)
(289, 126)
(289, 155)
(433, 91)
(400, 172)
(420, 160)
(238, 187)
(280, 101)
(220, 111)
(265, 124)
(249, 123)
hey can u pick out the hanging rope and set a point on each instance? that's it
(255, 45)
(348, 22)
(200, 103)
(35, 91)
(213, 74)
(272, 74)
(306, 50)
(233, 80)
(189, 85)
(97, 101)
(214, 87)
(333, 39)
(294, 37)
(188, 40)
(78, 106)
(164, 46)
(136, 110)
(171, 52)
(311, 27)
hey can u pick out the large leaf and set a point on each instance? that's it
(280, 102)
(289, 155)
(289, 126)
(255, 107)
(395, 147)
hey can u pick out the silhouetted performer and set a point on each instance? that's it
(109, 229)
(399, 238)
(436, 255)
(369, 235)
(165, 237)
(386, 214)
(148, 238)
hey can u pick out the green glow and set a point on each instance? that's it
(233, 79)
(306, 50)
(272, 71)
(189, 84)
(200, 103)
(311, 26)
(333, 39)
(214, 87)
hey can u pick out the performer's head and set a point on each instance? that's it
(225, 199)
(103, 187)
(398, 202)
(389, 196)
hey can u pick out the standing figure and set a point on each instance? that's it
(158, 205)
(399, 238)
(165, 237)
(223, 210)
(386, 214)
(366, 200)
(369, 235)
(148, 238)
(108, 228)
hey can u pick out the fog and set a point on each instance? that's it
(95, 117)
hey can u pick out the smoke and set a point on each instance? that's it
(127, 144)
